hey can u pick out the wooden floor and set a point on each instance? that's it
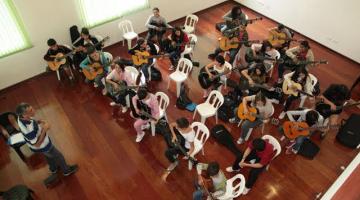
(112, 166)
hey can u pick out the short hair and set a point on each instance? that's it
(182, 122)
(260, 97)
(90, 49)
(156, 8)
(220, 59)
(281, 26)
(140, 41)
(85, 31)
(213, 168)
(51, 42)
(311, 117)
(305, 44)
(21, 108)
(258, 144)
(142, 93)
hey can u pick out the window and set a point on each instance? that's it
(13, 37)
(96, 12)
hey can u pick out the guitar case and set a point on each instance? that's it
(223, 136)
(349, 133)
(308, 149)
(226, 110)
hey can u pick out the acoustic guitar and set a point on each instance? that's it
(59, 60)
(96, 68)
(292, 130)
(277, 39)
(205, 80)
(121, 88)
(142, 57)
(252, 114)
(325, 109)
(225, 43)
(295, 88)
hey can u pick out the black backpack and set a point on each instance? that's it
(226, 110)
(223, 136)
(308, 149)
(349, 132)
(183, 100)
(155, 74)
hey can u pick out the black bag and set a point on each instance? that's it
(74, 33)
(163, 128)
(226, 110)
(222, 135)
(155, 74)
(308, 149)
(183, 100)
(349, 132)
(19, 192)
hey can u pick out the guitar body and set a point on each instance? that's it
(140, 57)
(121, 90)
(204, 78)
(294, 129)
(277, 39)
(226, 43)
(55, 65)
(251, 115)
(90, 75)
(288, 90)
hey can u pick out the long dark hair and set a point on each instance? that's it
(298, 71)
(265, 44)
(234, 10)
(173, 35)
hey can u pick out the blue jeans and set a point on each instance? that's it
(247, 125)
(198, 194)
(298, 142)
(55, 159)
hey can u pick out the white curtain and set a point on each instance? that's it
(95, 12)
(12, 34)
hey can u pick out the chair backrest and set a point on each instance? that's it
(313, 79)
(108, 56)
(215, 99)
(274, 142)
(277, 56)
(202, 133)
(233, 187)
(184, 66)
(191, 20)
(193, 40)
(134, 74)
(126, 26)
(163, 100)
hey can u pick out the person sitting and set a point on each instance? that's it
(217, 178)
(259, 150)
(262, 52)
(183, 137)
(53, 50)
(294, 57)
(218, 66)
(143, 46)
(282, 47)
(8, 127)
(157, 26)
(113, 80)
(101, 58)
(234, 18)
(144, 101)
(178, 41)
(81, 45)
(264, 108)
(312, 119)
(302, 77)
(253, 75)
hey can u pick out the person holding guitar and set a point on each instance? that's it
(216, 67)
(312, 119)
(55, 49)
(253, 75)
(82, 43)
(97, 63)
(262, 52)
(215, 176)
(157, 26)
(264, 109)
(297, 81)
(142, 46)
(113, 79)
(145, 107)
(178, 39)
(284, 33)
(294, 56)
(260, 150)
(233, 18)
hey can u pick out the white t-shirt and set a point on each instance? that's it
(189, 137)
(265, 110)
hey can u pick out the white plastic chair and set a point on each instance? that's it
(314, 81)
(189, 49)
(233, 191)
(271, 69)
(190, 23)
(210, 106)
(134, 74)
(164, 101)
(276, 145)
(224, 79)
(128, 32)
(202, 133)
(181, 73)
(154, 61)
(262, 126)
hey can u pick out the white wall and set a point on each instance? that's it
(334, 24)
(52, 18)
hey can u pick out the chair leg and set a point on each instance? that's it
(216, 117)
(168, 86)
(178, 87)
(302, 101)
(152, 128)
(262, 129)
(203, 119)
(58, 75)
(149, 72)
(129, 44)
(202, 150)
(240, 123)
(194, 113)
(127, 98)
(248, 134)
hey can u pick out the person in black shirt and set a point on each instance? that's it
(82, 43)
(54, 49)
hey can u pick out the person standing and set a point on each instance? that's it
(36, 137)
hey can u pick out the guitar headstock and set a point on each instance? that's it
(323, 62)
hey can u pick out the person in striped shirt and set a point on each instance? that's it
(36, 137)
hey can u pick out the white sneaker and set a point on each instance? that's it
(124, 109)
(140, 136)
(173, 165)
(246, 190)
(233, 120)
(96, 85)
(240, 141)
(171, 67)
(282, 138)
(230, 169)
(113, 104)
(282, 115)
(145, 127)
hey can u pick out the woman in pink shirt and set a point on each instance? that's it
(116, 76)
(147, 102)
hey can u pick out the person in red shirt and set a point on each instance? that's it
(259, 150)
(178, 40)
